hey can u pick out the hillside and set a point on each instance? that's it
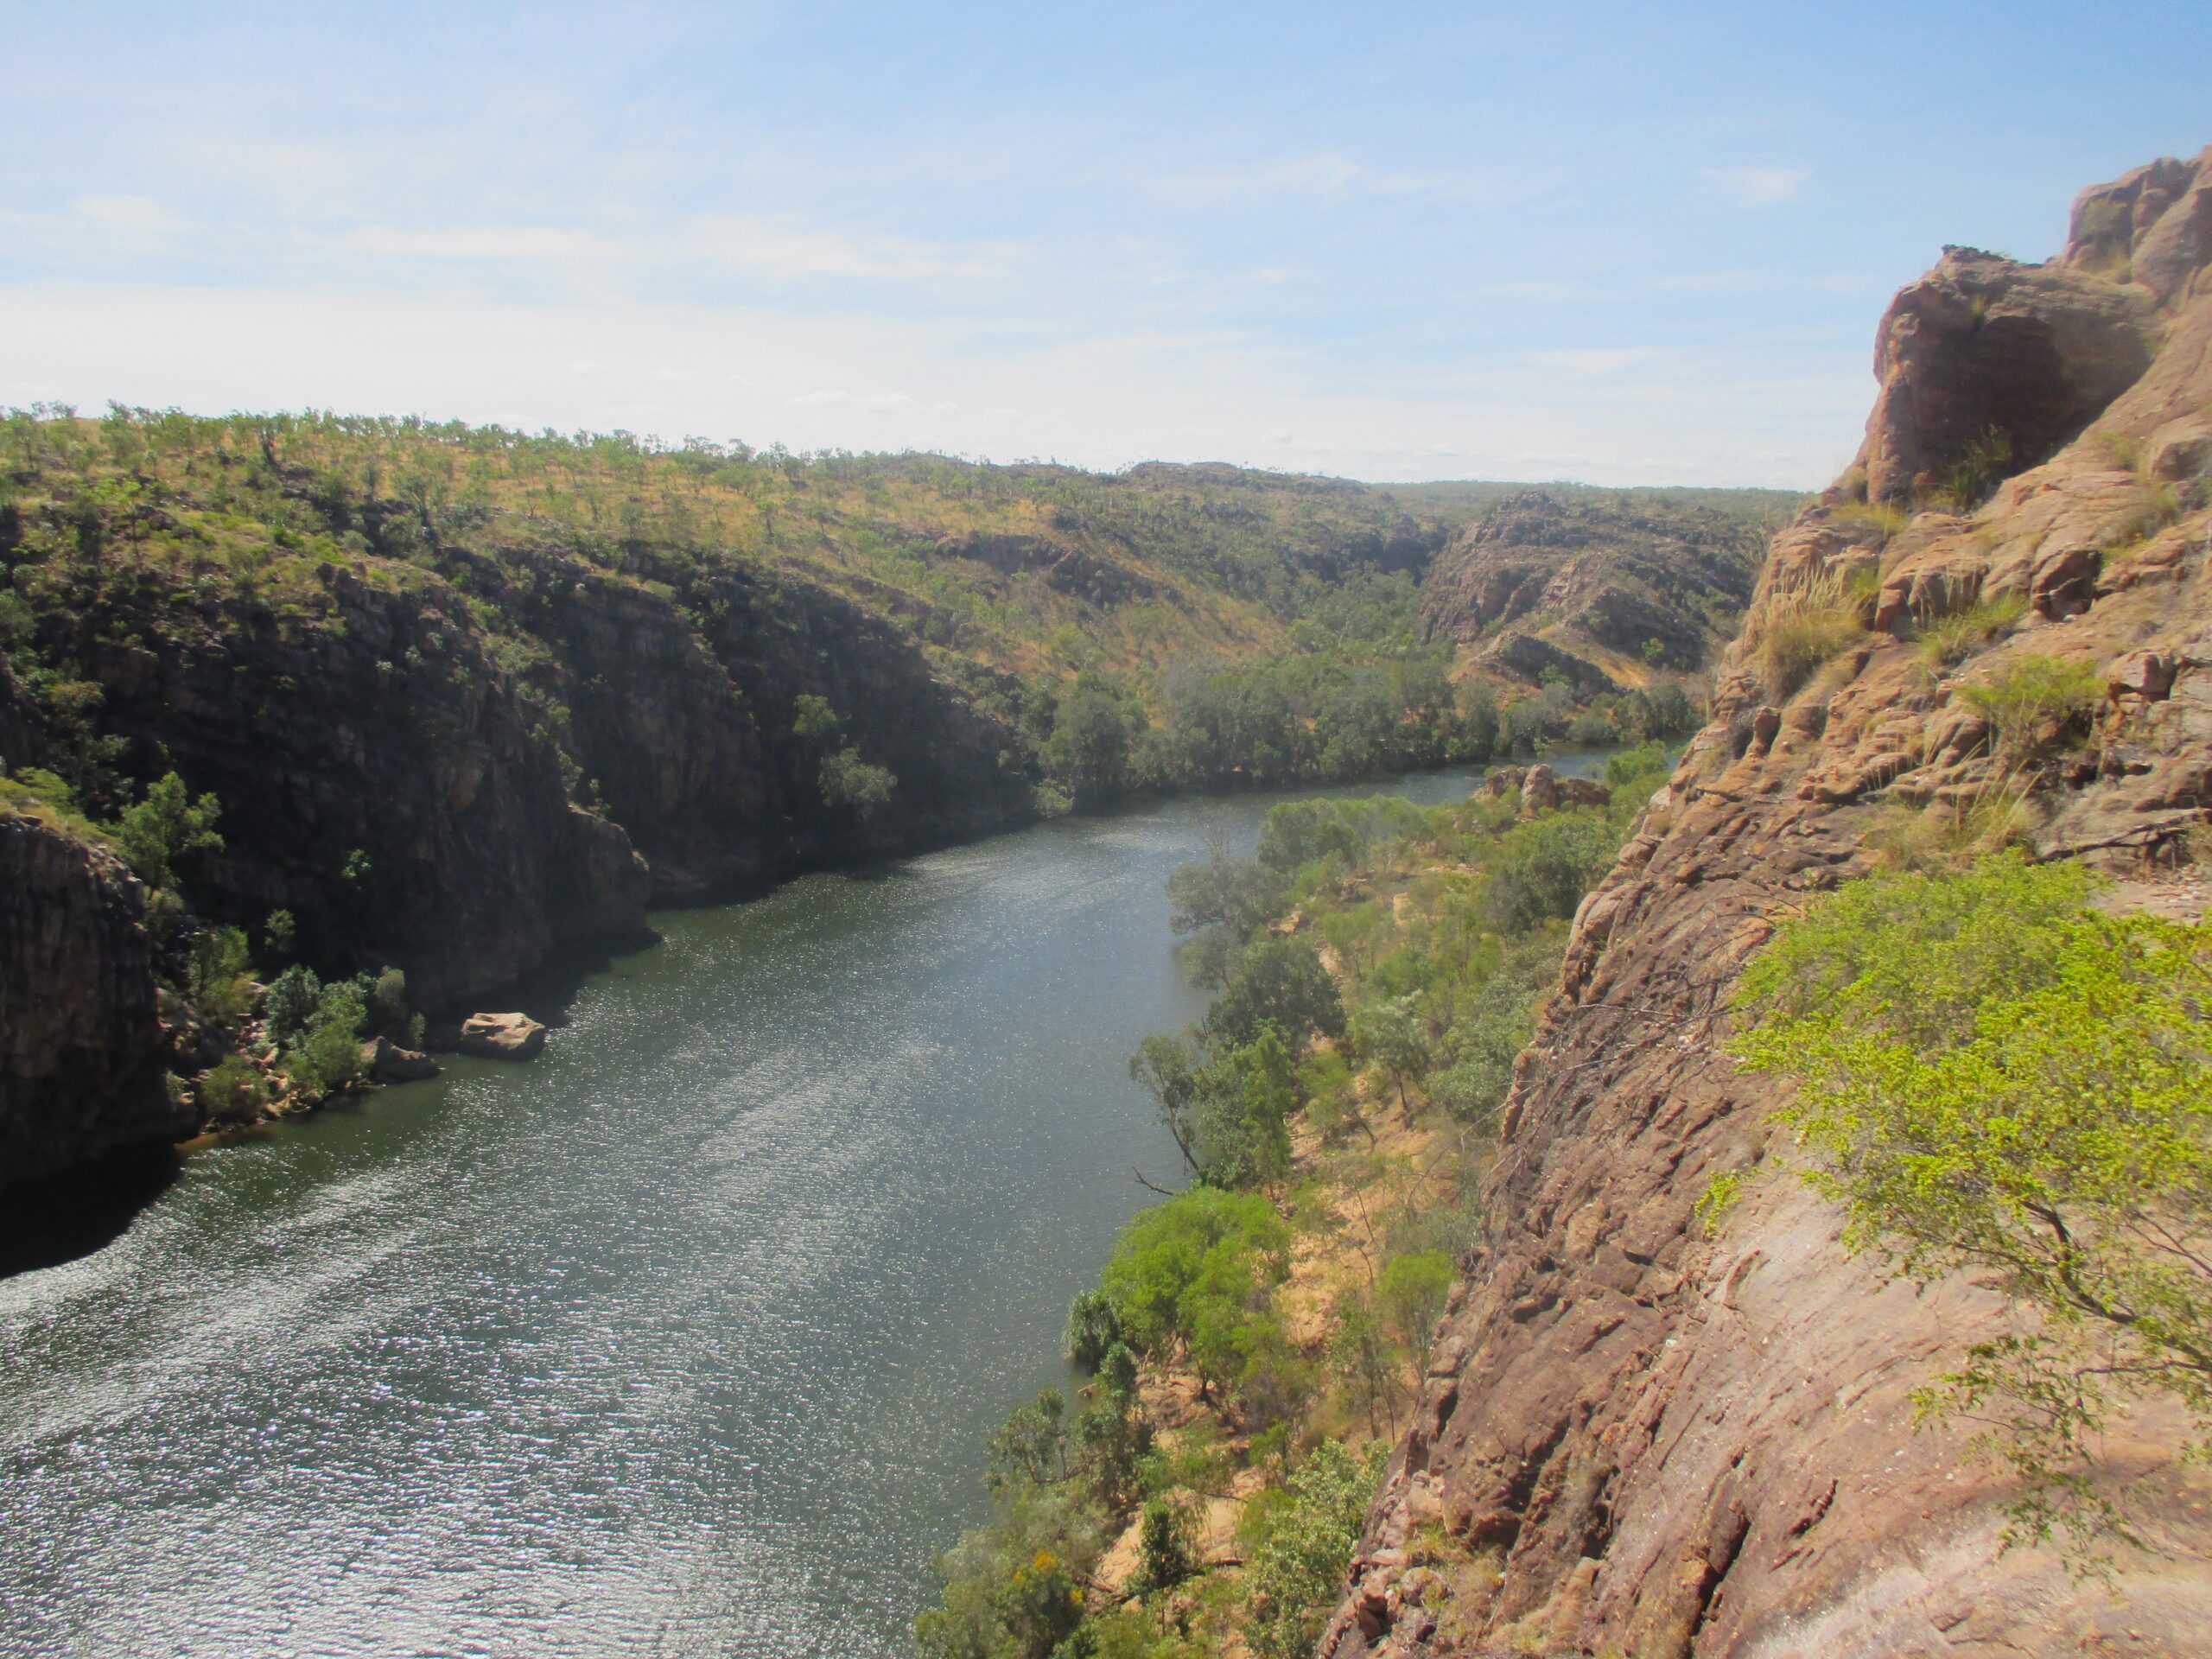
(1671, 1428)
(1597, 592)
(449, 701)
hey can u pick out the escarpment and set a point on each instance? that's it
(82, 1052)
(1597, 593)
(1677, 1442)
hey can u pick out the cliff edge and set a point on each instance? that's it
(1680, 1444)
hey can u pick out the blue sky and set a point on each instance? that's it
(1622, 244)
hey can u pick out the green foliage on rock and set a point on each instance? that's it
(1298, 1570)
(1998, 1079)
(169, 823)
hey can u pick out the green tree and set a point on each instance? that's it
(849, 781)
(1280, 982)
(1394, 1034)
(1997, 1079)
(1413, 1290)
(157, 831)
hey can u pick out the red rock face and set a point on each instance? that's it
(1679, 1443)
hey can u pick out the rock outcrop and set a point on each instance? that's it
(502, 1037)
(1597, 591)
(83, 1055)
(1679, 1443)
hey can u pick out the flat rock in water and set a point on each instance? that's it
(502, 1036)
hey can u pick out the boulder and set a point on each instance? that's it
(502, 1036)
(385, 1061)
(1540, 790)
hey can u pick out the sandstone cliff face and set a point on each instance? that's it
(1684, 1445)
(379, 775)
(82, 1051)
(1603, 583)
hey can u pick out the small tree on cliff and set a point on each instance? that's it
(2000, 1080)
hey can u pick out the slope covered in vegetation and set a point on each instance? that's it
(1257, 1339)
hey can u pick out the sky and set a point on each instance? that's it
(1625, 244)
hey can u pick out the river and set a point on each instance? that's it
(684, 1339)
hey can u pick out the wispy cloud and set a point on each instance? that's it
(1331, 177)
(787, 250)
(1595, 361)
(137, 216)
(1755, 186)
(554, 243)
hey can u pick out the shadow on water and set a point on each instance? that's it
(47, 1223)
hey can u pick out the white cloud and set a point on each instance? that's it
(1755, 186)
(1595, 361)
(129, 215)
(877, 400)
(785, 251)
(506, 241)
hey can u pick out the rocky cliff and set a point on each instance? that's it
(1599, 591)
(1677, 1443)
(83, 1055)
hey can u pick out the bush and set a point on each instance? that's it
(849, 782)
(1298, 1570)
(1091, 1329)
(327, 1056)
(216, 982)
(1196, 1272)
(234, 1092)
(293, 997)
(162, 827)
(1280, 981)
(1999, 1079)
(1414, 1290)
(2034, 701)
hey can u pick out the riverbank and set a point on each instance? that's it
(1256, 1340)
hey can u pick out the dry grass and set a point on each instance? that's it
(1802, 631)
(1945, 640)
(1952, 835)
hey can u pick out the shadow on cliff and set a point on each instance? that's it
(47, 1222)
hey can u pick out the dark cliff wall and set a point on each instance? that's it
(1682, 1445)
(82, 1051)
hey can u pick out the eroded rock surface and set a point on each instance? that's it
(1680, 1444)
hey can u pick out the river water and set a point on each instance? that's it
(684, 1339)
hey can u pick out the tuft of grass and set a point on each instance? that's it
(1953, 834)
(2123, 451)
(2153, 507)
(1945, 640)
(2034, 702)
(1881, 516)
(1806, 628)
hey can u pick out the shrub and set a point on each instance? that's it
(1280, 981)
(1166, 1547)
(1998, 1078)
(1092, 1329)
(326, 1056)
(1298, 1569)
(1195, 1271)
(2033, 701)
(291, 1001)
(217, 980)
(156, 831)
(849, 781)
(1414, 1290)
(234, 1092)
